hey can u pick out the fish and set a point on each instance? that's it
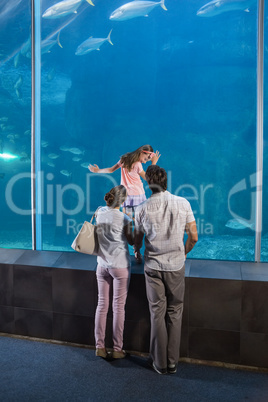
(76, 151)
(6, 128)
(18, 83)
(92, 44)
(63, 8)
(51, 74)
(44, 144)
(24, 155)
(25, 159)
(51, 164)
(16, 60)
(46, 45)
(217, 7)
(4, 118)
(76, 159)
(65, 173)
(64, 148)
(62, 27)
(53, 156)
(135, 9)
(85, 165)
(18, 93)
(26, 47)
(239, 224)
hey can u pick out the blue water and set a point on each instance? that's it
(182, 83)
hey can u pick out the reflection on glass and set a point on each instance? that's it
(15, 125)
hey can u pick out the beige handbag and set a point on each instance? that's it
(87, 239)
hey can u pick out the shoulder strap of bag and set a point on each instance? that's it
(94, 215)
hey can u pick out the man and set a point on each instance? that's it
(163, 219)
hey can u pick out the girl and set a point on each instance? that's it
(131, 171)
(113, 270)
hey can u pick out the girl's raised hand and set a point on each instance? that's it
(94, 168)
(155, 158)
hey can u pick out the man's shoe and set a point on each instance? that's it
(119, 354)
(172, 368)
(158, 370)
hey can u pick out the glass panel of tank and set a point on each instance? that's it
(15, 124)
(264, 244)
(180, 76)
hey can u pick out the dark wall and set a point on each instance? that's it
(53, 295)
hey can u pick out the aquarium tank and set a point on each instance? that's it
(115, 75)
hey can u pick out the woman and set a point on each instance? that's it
(114, 234)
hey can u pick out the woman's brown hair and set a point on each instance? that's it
(116, 196)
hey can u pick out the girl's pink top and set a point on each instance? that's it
(131, 180)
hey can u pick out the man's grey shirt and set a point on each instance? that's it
(163, 218)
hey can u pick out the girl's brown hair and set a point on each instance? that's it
(130, 158)
(116, 196)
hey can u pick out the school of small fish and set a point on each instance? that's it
(11, 141)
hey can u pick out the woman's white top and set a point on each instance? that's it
(113, 246)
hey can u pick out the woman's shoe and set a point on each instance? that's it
(119, 354)
(102, 353)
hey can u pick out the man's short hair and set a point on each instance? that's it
(156, 178)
